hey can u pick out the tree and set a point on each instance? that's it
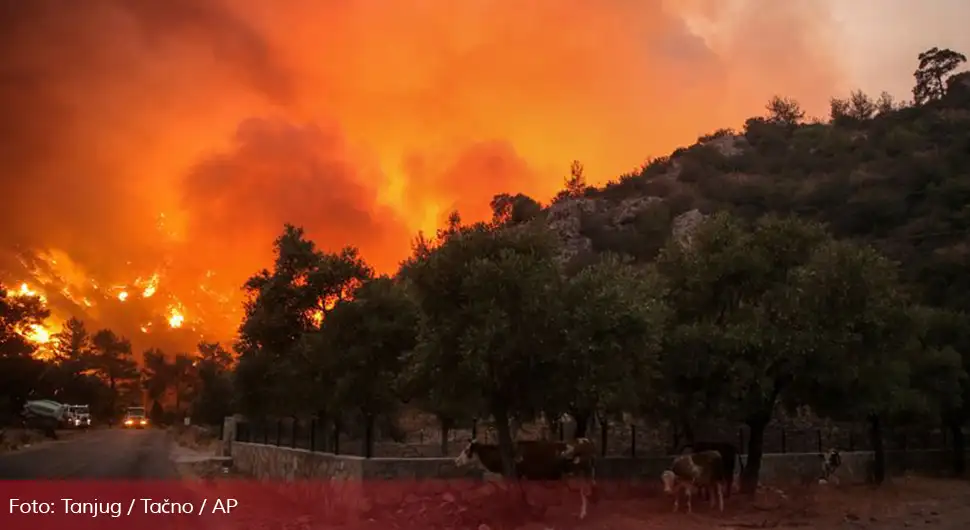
(784, 111)
(113, 361)
(157, 376)
(483, 297)
(944, 340)
(184, 381)
(213, 400)
(283, 306)
(737, 339)
(575, 185)
(366, 340)
(935, 65)
(857, 108)
(73, 371)
(852, 304)
(513, 209)
(612, 317)
(72, 345)
(19, 370)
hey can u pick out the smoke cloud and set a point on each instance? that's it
(138, 135)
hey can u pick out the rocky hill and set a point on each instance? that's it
(895, 176)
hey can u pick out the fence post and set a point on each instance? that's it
(633, 441)
(336, 438)
(603, 426)
(784, 441)
(818, 436)
(279, 432)
(313, 435)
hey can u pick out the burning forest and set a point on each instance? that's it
(150, 150)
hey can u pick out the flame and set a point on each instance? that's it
(175, 317)
(26, 291)
(38, 334)
(123, 295)
(150, 286)
(316, 317)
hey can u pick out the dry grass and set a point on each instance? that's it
(16, 438)
(198, 438)
(903, 503)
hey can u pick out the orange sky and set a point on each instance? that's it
(363, 121)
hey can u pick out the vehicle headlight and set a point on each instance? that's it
(127, 422)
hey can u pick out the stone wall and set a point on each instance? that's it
(283, 463)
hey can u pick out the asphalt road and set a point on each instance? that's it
(99, 454)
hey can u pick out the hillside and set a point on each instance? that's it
(895, 176)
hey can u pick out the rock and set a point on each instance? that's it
(684, 226)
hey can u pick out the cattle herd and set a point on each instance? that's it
(703, 468)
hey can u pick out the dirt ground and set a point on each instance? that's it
(907, 502)
(16, 438)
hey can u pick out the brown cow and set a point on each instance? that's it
(693, 470)
(729, 454)
(538, 460)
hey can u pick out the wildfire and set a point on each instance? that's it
(26, 291)
(38, 334)
(150, 286)
(123, 295)
(175, 318)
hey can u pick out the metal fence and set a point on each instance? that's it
(612, 439)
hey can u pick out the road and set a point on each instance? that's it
(99, 454)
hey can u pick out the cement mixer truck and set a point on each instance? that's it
(45, 415)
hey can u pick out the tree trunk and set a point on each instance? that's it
(506, 446)
(369, 421)
(446, 424)
(756, 447)
(581, 417)
(688, 431)
(959, 448)
(878, 450)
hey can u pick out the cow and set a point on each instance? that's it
(694, 470)
(539, 460)
(729, 454)
(831, 461)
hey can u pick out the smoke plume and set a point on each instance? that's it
(178, 136)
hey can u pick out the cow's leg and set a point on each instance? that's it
(582, 509)
(676, 501)
(720, 497)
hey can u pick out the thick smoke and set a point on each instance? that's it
(362, 121)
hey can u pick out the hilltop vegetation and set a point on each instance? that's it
(822, 265)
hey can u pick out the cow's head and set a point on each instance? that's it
(831, 460)
(572, 451)
(669, 479)
(469, 454)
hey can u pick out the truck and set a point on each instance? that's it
(135, 418)
(79, 416)
(45, 415)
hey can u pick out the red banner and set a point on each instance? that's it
(231, 504)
